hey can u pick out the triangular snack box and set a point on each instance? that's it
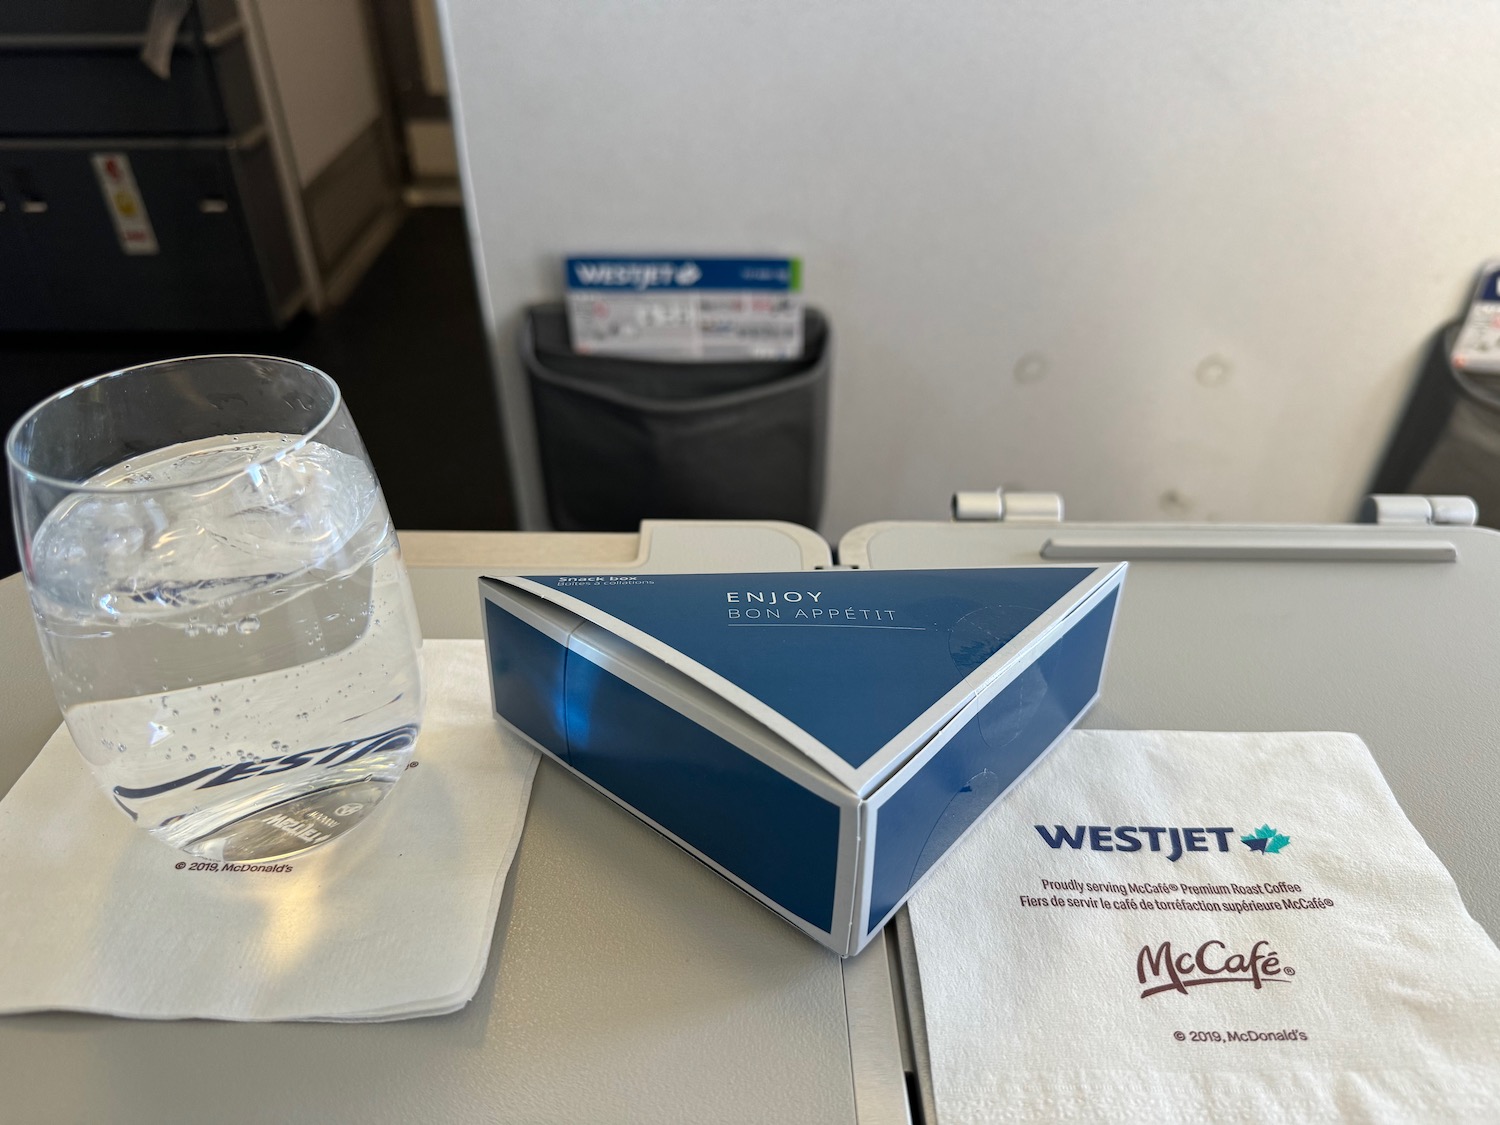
(819, 738)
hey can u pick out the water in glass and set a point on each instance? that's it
(232, 640)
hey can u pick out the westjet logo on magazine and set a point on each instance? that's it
(636, 275)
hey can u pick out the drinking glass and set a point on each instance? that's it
(220, 599)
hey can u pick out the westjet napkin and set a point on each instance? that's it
(1173, 926)
(393, 921)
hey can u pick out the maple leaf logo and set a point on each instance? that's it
(1266, 839)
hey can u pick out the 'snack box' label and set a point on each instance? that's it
(819, 738)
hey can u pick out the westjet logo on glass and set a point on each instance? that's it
(327, 757)
(1174, 842)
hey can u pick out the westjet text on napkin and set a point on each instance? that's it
(1169, 968)
(1185, 926)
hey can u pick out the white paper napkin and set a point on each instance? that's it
(393, 921)
(1378, 996)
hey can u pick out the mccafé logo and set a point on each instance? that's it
(1163, 969)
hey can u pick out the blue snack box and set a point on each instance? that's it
(819, 738)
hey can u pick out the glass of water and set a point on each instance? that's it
(220, 600)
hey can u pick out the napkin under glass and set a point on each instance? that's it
(392, 921)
